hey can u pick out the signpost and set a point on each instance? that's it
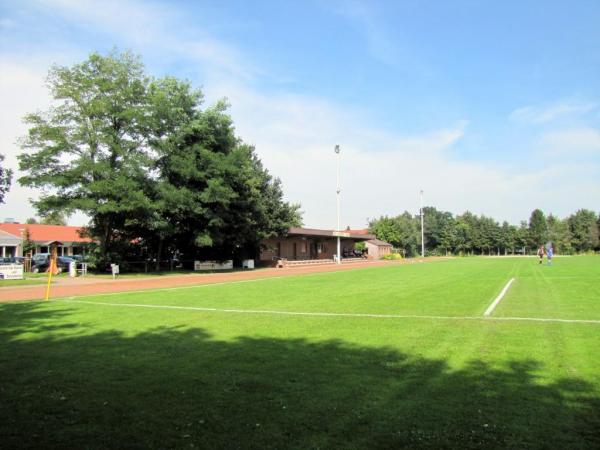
(341, 234)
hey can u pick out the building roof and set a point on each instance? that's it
(7, 239)
(45, 233)
(297, 231)
(379, 243)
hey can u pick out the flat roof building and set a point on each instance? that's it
(305, 244)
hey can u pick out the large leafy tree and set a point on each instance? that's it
(217, 191)
(538, 228)
(522, 237)
(89, 152)
(387, 229)
(584, 230)
(559, 234)
(508, 237)
(401, 231)
(5, 179)
(435, 227)
(469, 236)
(149, 167)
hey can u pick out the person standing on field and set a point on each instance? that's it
(549, 255)
(541, 253)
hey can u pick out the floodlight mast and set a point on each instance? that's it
(337, 152)
(422, 229)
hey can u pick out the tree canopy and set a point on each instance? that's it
(152, 169)
(5, 179)
(471, 234)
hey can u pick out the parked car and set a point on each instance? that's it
(12, 260)
(41, 261)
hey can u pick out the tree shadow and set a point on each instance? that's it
(176, 387)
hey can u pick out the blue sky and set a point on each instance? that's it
(492, 107)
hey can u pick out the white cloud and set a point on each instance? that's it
(548, 113)
(382, 171)
(22, 90)
(574, 142)
(154, 28)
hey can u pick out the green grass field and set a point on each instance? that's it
(384, 357)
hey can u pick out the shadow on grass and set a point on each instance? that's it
(175, 388)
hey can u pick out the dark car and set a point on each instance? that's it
(12, 260)
(41, 261)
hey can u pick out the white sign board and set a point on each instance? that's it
(341, 234)
(11, 272)
(213, 265)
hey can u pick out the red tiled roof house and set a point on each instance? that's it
(12, 236)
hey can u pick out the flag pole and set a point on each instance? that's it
(422, 228)
(337, 152)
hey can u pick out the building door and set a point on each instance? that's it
(295, 251)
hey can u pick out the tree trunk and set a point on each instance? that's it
(104, 240)
(159, 253)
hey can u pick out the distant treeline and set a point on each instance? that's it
(468, 234)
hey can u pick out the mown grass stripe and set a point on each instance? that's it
(328, 314)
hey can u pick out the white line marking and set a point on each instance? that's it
(540, 319)
(497, 299)
(326, 314)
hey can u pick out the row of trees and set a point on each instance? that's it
(471, 234)
(156, 173)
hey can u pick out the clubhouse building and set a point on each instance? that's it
(12, 236)
(309, 244)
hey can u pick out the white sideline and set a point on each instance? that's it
(491, 308)
(326, 314)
